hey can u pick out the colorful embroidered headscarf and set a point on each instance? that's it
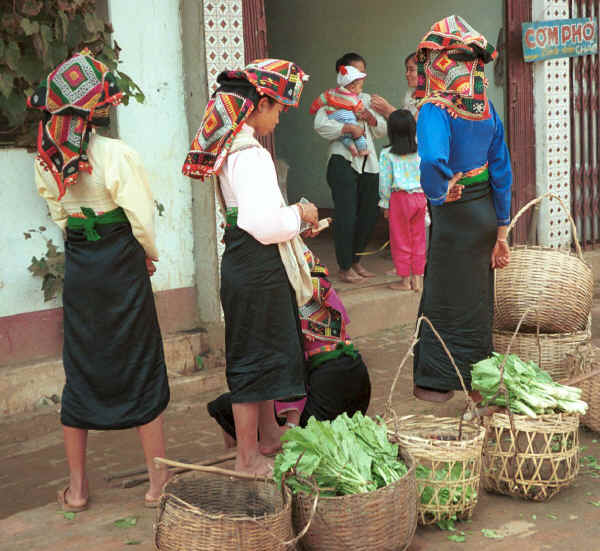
(450, 66)
(227, 112)
(70, 96)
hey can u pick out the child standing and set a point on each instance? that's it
(403, 200)
(342, 104)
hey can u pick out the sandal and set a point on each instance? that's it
(61, 497)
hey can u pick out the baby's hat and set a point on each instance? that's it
(348, 74)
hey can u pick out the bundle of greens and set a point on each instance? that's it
(531, 390)
(445, 495)
(344, 456)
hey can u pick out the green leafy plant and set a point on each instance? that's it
(344, 456)
(37, 35)
(50, 267)
(126, 522)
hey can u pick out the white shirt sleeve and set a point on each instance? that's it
(327, 128)
(261, 210)
(48, 189)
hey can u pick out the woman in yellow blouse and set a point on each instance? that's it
(98, 193)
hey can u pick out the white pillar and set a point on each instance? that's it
(552, 134)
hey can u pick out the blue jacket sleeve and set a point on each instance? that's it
(500, 172)
(433, 134)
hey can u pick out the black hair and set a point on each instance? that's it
(412, 55)
(402, 131)
(347, 59)
(241, 87)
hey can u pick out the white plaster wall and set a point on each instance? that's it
(22, 209)
(149, 33)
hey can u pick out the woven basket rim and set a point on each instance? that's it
(287, 500)
(551, 249)
(562, 418)
(406, 456)
(557, 336)
(480, 430)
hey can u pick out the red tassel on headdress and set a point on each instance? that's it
(343, 70)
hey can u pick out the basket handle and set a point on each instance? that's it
(415, 340)
(213, 470)
(539, 199)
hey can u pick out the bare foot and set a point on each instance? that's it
(402, 285)
(157, 482)
(271, 446)
(416, 283)
(258, 465)
(353, 150)
(391, 272)
(350, 276)
(361, 271)
(432, 395)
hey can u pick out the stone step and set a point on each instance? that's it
(29, 387)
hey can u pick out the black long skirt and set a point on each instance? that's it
(116, 376)
(336, 386)
(264, 359)
(458, 291)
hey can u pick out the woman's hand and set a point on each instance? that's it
(386, 213)
(382, 106)
(366, 115)
(454, 189)
(150, 265)
(500, 254)
(355, 129)
(308, 213)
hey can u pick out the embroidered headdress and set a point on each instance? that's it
(450, 61)
(71, 95)
(227, 111)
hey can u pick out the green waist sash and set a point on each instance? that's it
(478, 178)
(231, 215)
(342, 349)
(88, 224)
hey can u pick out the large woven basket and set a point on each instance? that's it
(385, 519)
(209, 512)
(546, 458)
(451, 487)
(550, 351)
(585, 360)
(554, 286)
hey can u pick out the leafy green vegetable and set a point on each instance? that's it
(68, 515)
(491, 534)
(458, 538)
(445, 495)
(344, 456)
(126, 522)
(531, 390)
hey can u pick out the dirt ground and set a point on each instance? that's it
(34, 467)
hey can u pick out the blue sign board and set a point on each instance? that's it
(559, 38)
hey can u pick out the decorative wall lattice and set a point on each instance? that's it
(554, 127)
(224, 46)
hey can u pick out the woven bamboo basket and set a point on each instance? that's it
(554, 286)
(585, 360)
(451, 487)
(535, 461)
(550, 351)
(385, 519)
(201, 511)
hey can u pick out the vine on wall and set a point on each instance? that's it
(35, 36)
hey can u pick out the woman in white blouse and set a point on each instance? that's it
(264, 275)
(97, 191)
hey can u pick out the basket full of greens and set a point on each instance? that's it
(366, 486)
(532, 450)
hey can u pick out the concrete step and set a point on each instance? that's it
(34, 386)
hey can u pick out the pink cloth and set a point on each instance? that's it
(407, 232)
(284, 407)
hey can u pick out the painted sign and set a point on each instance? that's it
(559, 38)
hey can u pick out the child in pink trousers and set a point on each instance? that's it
(403, 200)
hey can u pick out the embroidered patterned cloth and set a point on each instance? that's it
(72, 94)
(337, 98)
(227, 112)
(450, 61)
(323, 318)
